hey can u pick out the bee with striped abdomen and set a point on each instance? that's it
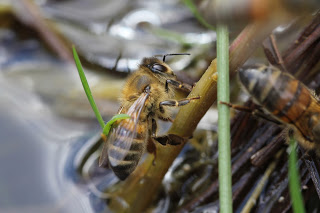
(288, 100)
(145, 97)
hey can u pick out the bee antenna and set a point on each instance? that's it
(164, 56)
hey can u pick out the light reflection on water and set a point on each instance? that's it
(40, 149)
(38, 170)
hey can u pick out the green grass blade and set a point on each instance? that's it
(115, 118)
(294, 182)
(225, 192)
(86, 87)
(197, 15)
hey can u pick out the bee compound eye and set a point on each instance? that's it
(158, 68)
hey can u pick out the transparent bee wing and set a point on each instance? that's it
(103, 160)
(122, 136)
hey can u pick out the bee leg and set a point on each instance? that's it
(151, 148)
(178, 84)
(254, 111)
(272, 52)
(166, 119)
(154, 128)
(238, 107)
(175, 103)
(171, 139)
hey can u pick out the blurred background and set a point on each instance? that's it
(48, 132)
(46, 123)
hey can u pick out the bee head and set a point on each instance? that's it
(156, 66)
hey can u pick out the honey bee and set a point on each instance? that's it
(145, 97)
(288, 100)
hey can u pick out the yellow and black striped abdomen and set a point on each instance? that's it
(282, 95)
(126, 146)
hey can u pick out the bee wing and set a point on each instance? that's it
(103, 160)
(122, 136)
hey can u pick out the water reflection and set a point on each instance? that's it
(35, 144)
(38, 146)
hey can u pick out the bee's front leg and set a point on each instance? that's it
(175, 103)
(177, 84)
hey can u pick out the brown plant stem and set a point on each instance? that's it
(31, 15)
(137, 192)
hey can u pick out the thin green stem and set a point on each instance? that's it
(294, 182)
(86, 87)
(225, 192)
(107, 127)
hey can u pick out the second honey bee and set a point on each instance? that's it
(146, 96)
(288, 100)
